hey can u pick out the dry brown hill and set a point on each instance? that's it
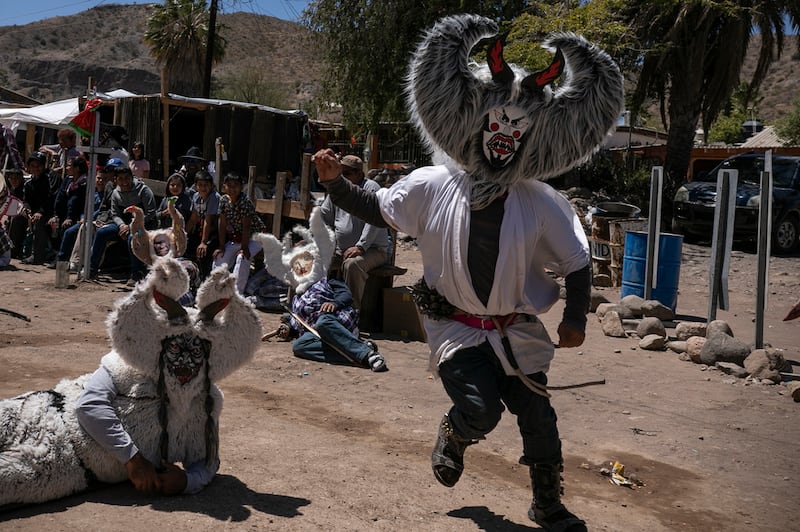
(782, 84)
(53, 58)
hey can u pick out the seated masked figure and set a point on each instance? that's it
(149, 246)
(323, 317)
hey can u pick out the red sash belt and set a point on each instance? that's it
(486, 323)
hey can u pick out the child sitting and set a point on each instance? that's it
(176, 188)
(238, 221)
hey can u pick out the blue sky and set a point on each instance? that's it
(21, 12)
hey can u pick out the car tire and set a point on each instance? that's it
(785, 235)
(688, 237)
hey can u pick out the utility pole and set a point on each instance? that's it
(210, 38)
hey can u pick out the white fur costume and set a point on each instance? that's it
(318, 240)
(45, 453)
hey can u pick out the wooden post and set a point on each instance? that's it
(305, 184)
(280, 185)
(165, 169)
(251, 181)
(218, 162)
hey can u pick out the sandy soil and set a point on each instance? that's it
(309, 446)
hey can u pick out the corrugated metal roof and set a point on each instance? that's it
(766, 138)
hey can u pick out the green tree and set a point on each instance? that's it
(597, 21)
(176, 33)
(366, 45)
(252, 85)
(692, 54)
(789, 127)
(742, 106)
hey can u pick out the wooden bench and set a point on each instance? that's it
(371, 319)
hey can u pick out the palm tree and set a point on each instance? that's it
(692, 60)
(176, 33)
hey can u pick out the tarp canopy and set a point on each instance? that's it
(53, 114)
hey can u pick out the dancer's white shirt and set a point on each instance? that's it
(539, 230)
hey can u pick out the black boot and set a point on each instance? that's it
(447, 458)
(546, 509)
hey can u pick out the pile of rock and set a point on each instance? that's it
(712, 344)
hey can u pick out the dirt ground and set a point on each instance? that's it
(308, 446)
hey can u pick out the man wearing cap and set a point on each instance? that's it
(192, 163)
(360, 247)
(39, 203)
(129, 192)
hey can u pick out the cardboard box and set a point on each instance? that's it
(400, 315)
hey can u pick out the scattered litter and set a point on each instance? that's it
(617, 476)
(642, 432)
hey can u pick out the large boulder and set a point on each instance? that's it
(720, 347)
(634, 303)
(653, 342)
(651, 326)
(694, 346)
(603, 308)
(765, 364)
(677, 346)
(686, 329)
(612, 325)
(732, 369)
(657, 309)
(720, 326)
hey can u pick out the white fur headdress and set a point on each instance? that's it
(143, 241)
(549, 130)
(318, 240)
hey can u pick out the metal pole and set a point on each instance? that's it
(653, 231)
(88, 223)
(724, 212)
(764, 237)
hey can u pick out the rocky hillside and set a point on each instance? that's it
(782, 84)
(54, 58)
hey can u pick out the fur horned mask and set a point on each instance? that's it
(150, 330)
(501, 124)
(305, 254)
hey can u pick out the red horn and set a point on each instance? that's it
(208, 312)
(501, 72)
(175, 312)
(537, 80)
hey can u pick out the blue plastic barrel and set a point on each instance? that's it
(634, 267)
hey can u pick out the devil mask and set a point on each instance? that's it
(504, 125)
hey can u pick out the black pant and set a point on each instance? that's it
(478, 386)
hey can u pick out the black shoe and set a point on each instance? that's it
(447, 458)
(556, 518)
(375, 360)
